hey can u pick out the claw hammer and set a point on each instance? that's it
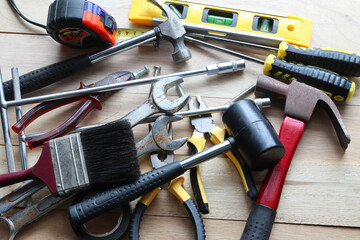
(301, 101)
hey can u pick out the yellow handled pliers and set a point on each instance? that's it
(203, 124)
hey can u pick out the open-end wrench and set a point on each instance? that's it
(158, 138)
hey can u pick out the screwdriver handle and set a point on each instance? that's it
(47, 75)
(338, 88)
(339, 61)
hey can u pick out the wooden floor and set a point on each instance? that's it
(321, 196)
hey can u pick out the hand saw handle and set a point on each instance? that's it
(47, 75)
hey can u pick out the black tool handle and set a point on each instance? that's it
(199, 228)
(112, 198)
(339, 88)
(259, 223)
(47, 75)
(195, 177)
(340, 61)
(136, 218)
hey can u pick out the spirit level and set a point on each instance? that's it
(249, 26)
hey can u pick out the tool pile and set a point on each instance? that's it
(98, 166)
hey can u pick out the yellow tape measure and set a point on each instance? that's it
(126, 33)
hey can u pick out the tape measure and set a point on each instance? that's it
(249, 26)
(80, 24)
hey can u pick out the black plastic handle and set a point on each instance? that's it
(136, 218)
(202, 204)
(259, 223)
(112, 198)
(47, 75)
(339, 88)
(340, 61)
(199, 228)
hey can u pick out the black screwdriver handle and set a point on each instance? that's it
(86, 210)
(340, 61)
(339, 88)
(47, 75)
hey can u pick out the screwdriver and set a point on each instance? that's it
(340, 61)
(339, 88)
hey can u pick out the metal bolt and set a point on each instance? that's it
(157, 70)
(137, 75)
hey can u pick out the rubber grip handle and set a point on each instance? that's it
(40, 110)
(136, 218)
(339, 88)
(340, 61)
(112, 198)
(197, 144)
(47, 75)
(259, 223)
(69, 125)
(199, 228)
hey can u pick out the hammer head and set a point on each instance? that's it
(301, 101)
(173, 31)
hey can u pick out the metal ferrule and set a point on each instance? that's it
(69, 163)
(200, 157)
(225, 67)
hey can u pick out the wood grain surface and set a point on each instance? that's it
(321, 196)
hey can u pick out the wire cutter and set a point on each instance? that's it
(175, 186)
(203, 124)
(89, 103)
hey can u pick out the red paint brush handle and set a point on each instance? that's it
(262, 216)
(69, 125)
(15, 177)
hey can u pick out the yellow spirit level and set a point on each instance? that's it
(249, 26)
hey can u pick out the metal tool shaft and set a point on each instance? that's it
(123, 46)
(190, 39)
(6, 130)
(224, 67)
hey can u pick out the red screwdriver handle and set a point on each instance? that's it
(262, 216)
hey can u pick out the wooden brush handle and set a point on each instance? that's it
(15, 177)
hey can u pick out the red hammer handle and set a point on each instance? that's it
(262, 216)
(290, 133)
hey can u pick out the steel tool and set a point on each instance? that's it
(218, 68)
(301, 101)
(175, 187)
(20, 219)
(272, 150)
(171, 30)
(89, 103)
(339, 88)
(158, 138)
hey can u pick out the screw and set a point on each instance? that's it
(157, 70)
(137, 75)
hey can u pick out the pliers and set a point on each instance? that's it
(203, 124)
(89, 103)
(175, 186)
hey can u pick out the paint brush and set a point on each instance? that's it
(98, 157)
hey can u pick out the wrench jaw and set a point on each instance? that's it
(161, 135)
(159, 95)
